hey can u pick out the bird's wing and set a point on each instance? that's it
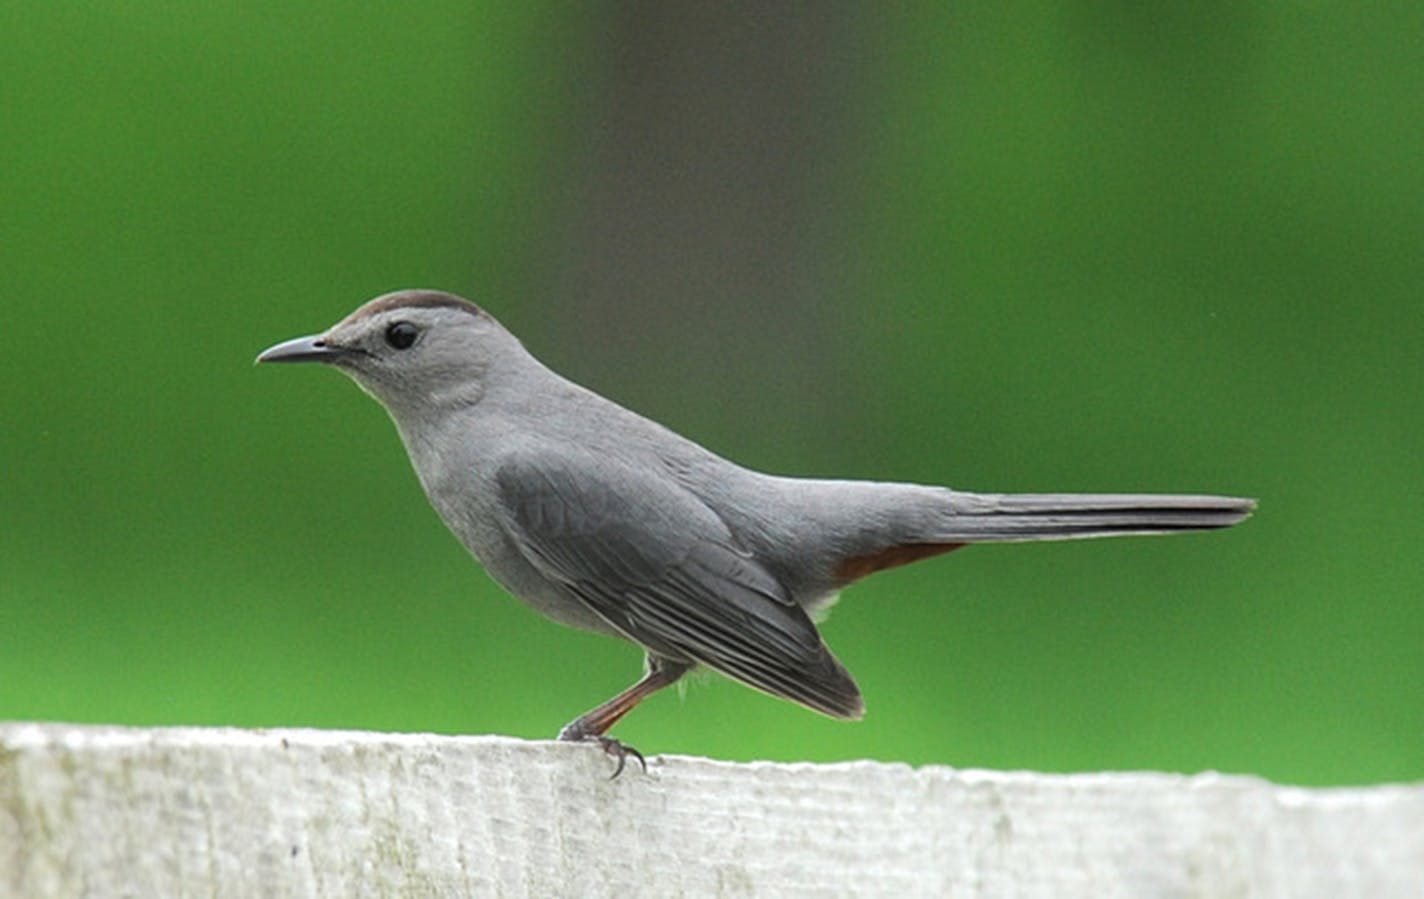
(660, 567)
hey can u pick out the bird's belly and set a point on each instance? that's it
(512, 571)
(474, 524)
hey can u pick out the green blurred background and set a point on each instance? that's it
(1045, 246)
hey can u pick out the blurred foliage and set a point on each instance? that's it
(1078, 247)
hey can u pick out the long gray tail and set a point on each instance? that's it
(1006, 517)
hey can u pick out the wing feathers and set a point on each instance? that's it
(662, 569)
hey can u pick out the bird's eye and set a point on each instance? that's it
(401, 335)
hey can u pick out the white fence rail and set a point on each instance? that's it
(104, 811)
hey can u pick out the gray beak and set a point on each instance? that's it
(303, 349)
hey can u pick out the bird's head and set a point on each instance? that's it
(412, 350)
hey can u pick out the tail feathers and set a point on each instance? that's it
(930, 521)
(993, 518)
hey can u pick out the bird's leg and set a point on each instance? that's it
(594, 724)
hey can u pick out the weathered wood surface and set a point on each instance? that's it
(105, 811)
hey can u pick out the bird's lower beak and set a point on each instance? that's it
(303, 349)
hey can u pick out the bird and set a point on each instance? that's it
(604, 520)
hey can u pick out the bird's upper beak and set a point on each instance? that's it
(303, 349)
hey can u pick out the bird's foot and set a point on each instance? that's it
(620, 751)
(616, 748)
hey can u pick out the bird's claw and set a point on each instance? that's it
(580, 732)
(620, 751)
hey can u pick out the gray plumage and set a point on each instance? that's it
(604, 520)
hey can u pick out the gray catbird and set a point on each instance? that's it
(604, 520)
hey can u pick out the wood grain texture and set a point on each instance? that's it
(106, 811)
